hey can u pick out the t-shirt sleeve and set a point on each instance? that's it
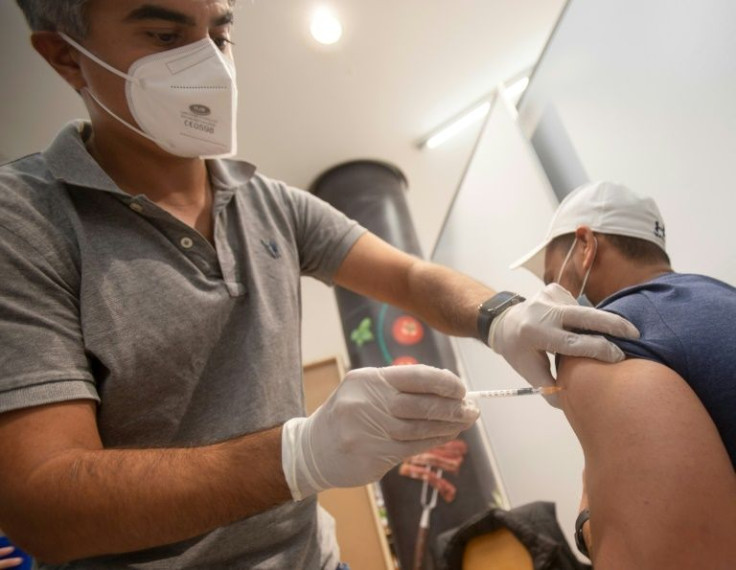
(657, 341)
(324, 235)
(42, 357)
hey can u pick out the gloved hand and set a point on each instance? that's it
(371, 422)
(523, 333)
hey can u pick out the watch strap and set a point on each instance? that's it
(583, 516)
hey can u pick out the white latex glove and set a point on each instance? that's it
(524, 333)
(375, 419)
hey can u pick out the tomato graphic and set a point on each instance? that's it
(404, 360)
(407, 330)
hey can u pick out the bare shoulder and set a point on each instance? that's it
(661, 486)
(635, 394)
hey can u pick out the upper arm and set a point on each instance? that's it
(661, 486)
(375, 268)
(42, 353)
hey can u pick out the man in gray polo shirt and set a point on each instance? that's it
(150, 372)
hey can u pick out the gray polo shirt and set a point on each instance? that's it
(106, 296)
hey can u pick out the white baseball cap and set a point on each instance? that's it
(606, 207)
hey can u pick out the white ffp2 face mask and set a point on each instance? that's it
(184, 99)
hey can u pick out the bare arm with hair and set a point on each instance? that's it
(660, 484)
(447, 300)
(64, 497)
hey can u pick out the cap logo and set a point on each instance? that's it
(659, 230)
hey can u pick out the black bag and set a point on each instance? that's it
(534, 525)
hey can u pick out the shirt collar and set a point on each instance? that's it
(69, 161)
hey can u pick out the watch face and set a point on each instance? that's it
(497, 301)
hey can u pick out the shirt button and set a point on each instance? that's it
(186, 242)
(136, 207)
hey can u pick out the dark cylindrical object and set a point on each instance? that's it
(377, 334)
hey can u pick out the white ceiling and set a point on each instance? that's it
(402, 68)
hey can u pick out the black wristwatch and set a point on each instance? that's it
(493, 307)
(583, 516)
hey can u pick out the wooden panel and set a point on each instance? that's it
(362, 541)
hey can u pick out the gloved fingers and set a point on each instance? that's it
(553, 400)
(594, 346)
(597, 320)
(420, 431)
(556, 293)
(422, 379)
(534, 368)
(560, 341)
(428, 407)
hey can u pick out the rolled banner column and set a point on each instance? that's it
(378, 334)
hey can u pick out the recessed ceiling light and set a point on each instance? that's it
(325, 27)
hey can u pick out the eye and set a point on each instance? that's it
(164, 39)
(222, 42)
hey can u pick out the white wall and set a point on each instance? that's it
(36, 102)
(639, 92)
(645, 93)
(503, 201)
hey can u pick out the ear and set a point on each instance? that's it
(589, 245)
(61, 56)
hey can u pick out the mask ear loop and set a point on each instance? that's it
(567, 258)
(587, 273)
(117, 72)
(123, 121)
(97, 60)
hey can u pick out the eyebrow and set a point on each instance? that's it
(154, 12)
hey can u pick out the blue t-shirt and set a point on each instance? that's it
(688, 323)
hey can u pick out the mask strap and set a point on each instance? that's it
(587, 273)
(110, 68)
(126, 123)
(97, 60)
(567, 258)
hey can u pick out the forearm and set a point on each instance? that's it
(84, 503)
(447, 300)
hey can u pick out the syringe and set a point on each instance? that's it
(543, 390)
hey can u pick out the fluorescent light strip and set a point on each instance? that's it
(469, 118)
(512, 93)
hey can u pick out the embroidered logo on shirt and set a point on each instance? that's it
(272, 248)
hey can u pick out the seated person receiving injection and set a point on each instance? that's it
(658, 430)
